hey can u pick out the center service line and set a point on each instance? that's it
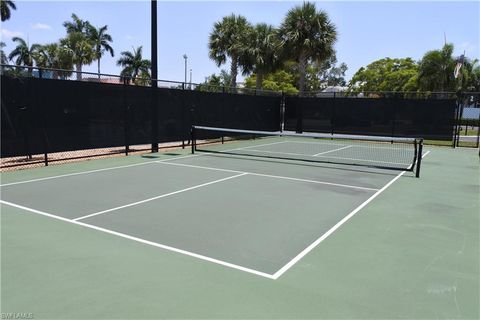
(158, 197)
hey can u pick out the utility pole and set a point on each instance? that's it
(190, 79)
(185, 57)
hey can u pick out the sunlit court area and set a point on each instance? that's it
(281, 174)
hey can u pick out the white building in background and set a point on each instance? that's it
(332, 91)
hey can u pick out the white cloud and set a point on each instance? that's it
(41, 26)
(7, 34)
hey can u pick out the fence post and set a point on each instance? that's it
(455, 124)
(478, 131)
(459, 122)
(394, 117)
(282, 112)
(45, 145)
(126, 114)
(299, 114)
(39, 108)
(332, 115)
(154, 113)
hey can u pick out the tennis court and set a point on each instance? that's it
(227, 209)
(256, 207)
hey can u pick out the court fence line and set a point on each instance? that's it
(57, 116)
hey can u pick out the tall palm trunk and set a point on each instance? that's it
(98, 62)
(234, 70)
(29, 70)
(259, 80)
(302, 66)
(78, 68)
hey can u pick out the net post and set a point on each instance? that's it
(194, 140)
(419, 158)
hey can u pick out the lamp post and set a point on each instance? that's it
(185, 57)
(190, 85)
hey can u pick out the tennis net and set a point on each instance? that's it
(372, 151)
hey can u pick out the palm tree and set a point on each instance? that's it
(23, 53)
(5, 6)
(263, 51)
(76, 25)
(78, 42)
(307, 34)
(229, 38)
(81, 50)
(3, 57)
(101, 43)
(133, 64)
(435, 70)
(469, 75)
(55, 56)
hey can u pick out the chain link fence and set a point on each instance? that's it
(58, 116)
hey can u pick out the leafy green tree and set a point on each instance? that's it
(307, 34)
(263, 51)
(23, 53)
(79, 43)
(280, 81)
(5, 7)
(469, 78)
(216, 83)
(435, 71)
(54, 56)
(101, 43)
(229, 38)
(81, 50)
(144, 79)
(3, 57)
(133, 64)
(385, 75)
(212, 83)
(331, 75)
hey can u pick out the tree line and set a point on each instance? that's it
(435, 72)
(305, 37)
(82, 45)
(296, 57)
(299, 57)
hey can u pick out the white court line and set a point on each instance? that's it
(332, 157)
(336, 144)
(257, 145)
(158, 197)
(292, 262)
(270, 176)
(147, 242)
(93, 171)
(338, 149)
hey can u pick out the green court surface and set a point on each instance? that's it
(175, 235)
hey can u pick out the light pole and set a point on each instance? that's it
(190, 86)
(185, 57)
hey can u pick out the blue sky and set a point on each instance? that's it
(367, 30)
